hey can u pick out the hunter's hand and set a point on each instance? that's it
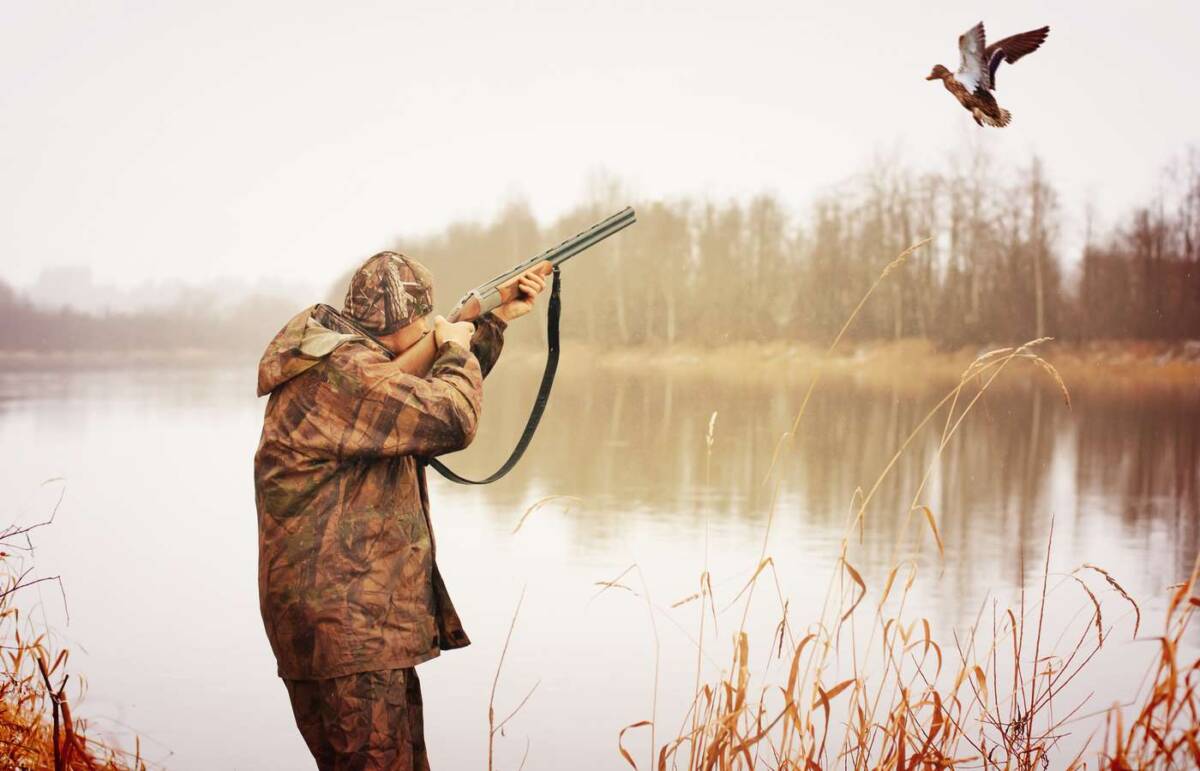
(457, 332)
(529, 285)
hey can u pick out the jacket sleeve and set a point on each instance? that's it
(488, 341)
(372, 409)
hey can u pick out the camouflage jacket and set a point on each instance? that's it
(346, 573)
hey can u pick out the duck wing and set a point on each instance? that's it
(1012, 48)
(973, 72)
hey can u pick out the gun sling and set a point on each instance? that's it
(539, 405)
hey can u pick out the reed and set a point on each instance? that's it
(38, 730)
(868, 686)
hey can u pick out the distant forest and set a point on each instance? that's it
(700, 273)
(246, 327)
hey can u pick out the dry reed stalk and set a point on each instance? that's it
(949, 429)
(493, 726)
(1165, 733)
(540, 503)
(1112, 582)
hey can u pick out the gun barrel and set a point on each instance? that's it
(588, 238)
(567, 249)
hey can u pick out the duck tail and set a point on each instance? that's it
(1002, 118)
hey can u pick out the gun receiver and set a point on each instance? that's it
(503, 288)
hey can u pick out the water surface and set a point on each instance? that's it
(155, 540)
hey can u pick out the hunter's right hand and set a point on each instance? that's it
(457, 332)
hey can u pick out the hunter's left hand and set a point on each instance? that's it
(529, 285)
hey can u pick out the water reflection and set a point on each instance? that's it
(634, 440)
(1142, 457)
(1019, 458)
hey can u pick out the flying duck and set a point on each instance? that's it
(975, 80)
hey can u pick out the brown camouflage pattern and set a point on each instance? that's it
(347, 577)
(369, 721)
(387, 292)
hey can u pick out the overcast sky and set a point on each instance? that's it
(195, 140)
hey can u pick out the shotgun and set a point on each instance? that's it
(488, 296)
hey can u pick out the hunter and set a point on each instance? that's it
(349, 589)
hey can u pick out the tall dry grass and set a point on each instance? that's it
(38, 730)
(868, 686)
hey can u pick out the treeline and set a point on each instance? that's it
(1143, 280)
(702, 272)
(708, 273)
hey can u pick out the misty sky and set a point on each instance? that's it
(197, 140)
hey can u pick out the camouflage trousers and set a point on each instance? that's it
(370, 721)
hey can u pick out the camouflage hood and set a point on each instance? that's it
(309, 337)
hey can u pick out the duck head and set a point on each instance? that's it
(938, 73)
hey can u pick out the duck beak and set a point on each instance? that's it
(931, 77)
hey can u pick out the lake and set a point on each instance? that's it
(155, 541)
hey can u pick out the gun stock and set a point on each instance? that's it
(418, 359)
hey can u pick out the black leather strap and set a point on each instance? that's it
(539, 406)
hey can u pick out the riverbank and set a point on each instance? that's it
(915, 362)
